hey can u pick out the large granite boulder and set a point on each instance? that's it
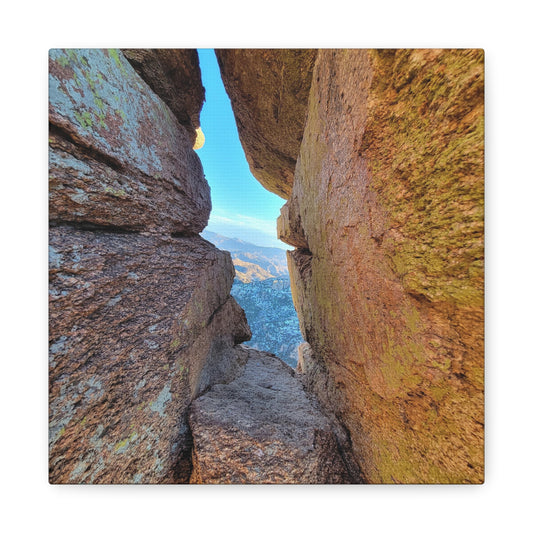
(263, 428)
(118, 155)
(386, 212)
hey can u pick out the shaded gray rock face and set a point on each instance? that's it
(141, 320)
(138, 324)
(174, 75)
(118, 155)
(263, 428)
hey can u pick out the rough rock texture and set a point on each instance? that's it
(263, 428)
(141, 319)
(269, 90)
(174, 75)
(118, 156)
(133, 320)
(289, 228)
(387, 214)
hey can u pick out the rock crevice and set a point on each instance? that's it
(380, 156)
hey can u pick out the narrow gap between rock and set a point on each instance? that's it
(243, 222)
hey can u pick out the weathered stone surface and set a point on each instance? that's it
(174, 75)
(268, 91)
(139, 325)
(389, 188)
(387, 213)
(118, 155)
(289, 227)
(263, 428)
(314, 377)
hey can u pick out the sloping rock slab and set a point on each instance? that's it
(263, 428)
(268, 90)
(138, 324)
(118, 155)
(174, 75)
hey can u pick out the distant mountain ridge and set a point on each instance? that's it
(262, 288)
(252, 262)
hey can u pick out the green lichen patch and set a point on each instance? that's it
(175, 343)
(119, 193)
(113, 54)
(425, 143)
(121, 114)
(84, 118)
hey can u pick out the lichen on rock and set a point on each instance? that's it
(132, 330)
(174, 75)
(386, 212)
(118, 155)
(141, 319)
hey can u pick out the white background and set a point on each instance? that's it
(28, 503)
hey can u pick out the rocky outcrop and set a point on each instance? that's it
(102, 123)
(174, 75)
(270, 128)
(141, 318)
(381, 156)
(133, 327)
(386, 212)
(263, 428)
(289, 227)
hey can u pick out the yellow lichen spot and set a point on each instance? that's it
(200, 139)
(121, 444)
(175, 343)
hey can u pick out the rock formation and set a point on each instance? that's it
(270, 129)
(141, 317)
(174, 75)
(263, 428)
(380, 155)
(386, 213)
(106, 122)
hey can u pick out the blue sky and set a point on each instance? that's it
(242, 208)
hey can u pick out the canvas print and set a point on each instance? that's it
(266, 266)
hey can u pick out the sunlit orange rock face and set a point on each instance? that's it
(386, 212)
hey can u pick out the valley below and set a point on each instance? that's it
(262, 288)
